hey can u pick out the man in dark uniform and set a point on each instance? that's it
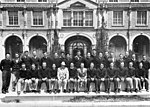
(146, 63)
(27, 60)
(46, 59)
(88, 60)
(143, 76)
(119, 61)
(16, 64)
(91, 77)
(62, 57)
(6, 66)
(101, 75)
(106, 61)
(68, 60)
(36, 60)
(135, 61)
(127, 59)
(56, 60)
(110, 77)
(53, 79)
(78, 59)
(43, 74)
(72, 78)
(100, 60)
(33, 82)
(122, 74)
(95, 58)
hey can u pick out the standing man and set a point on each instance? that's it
(68, 60)
(26, 60)
(106, 59)
(88, 60)
(127, 59)
(35, 60)
(16, 64)
(6, 66)
(63, 76)
(145, 62)
(46, 59)
(78, 59)
(56, 60)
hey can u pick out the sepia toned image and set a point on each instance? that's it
(74, 53)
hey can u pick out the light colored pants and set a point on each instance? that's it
(62, 83)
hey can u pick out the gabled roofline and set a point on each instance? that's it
(85, 0)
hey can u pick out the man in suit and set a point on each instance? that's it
(6, 67)
(78, 59)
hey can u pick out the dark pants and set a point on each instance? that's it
(116, 83)
(40, 83)
(107, 84)
(6, 75)
(145, 80)
(95, 81)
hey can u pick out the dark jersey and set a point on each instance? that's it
(6, 65)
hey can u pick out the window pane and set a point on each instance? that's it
(67, 18)
(118, 17)
(13, 17)
(78, 18)
(88, 18)
(141, 17)
(37, 18)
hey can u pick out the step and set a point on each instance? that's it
(65, 96)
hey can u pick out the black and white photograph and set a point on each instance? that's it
(74, 53)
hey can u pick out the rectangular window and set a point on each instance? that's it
(67, 18)
(134, 0)
(141, 17)
(13, 17)
(20, 0)
(88, 18)
(78, 18)
(113, 0)
(118, 18)
(42, 0)
(37, 18)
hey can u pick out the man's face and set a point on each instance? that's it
(131, 64)
(82, 65)
(71, 65)
(34, 53)
(127, 53)
(122, 64)
(88, 55)
(140, 65)
(53, 66)
(7, 56)
(112, 54)
(106, 54)
(101, 66)
(92, 65)
(79, 53)
(17, 55)
(68, 56)
(94, 52)
(111, 65)
(56, 55)
(63, 55)
(44, 65)
(45, 54)
(133, 56)
(144, 57)
(23, 66)
(33, 66)
(121, 56)
(100, 55)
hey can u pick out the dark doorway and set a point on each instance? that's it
(141, 45)
(38, 43)
(13, 44)
(75, 43)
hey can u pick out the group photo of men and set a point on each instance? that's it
(62, 73)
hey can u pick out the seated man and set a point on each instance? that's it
(33, 82)
(143, 76)
(43, 74)
(101, 75)
(110, 78)
(63, 76)
(72, 78)
(130, 77)
(91, 77)
(23, 78)
(82, 76)
(53, 79)
(122, 74)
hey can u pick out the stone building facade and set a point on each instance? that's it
(75, 25)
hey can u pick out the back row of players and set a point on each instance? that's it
(33, 71)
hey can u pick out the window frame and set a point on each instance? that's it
(67, 25)
(146, 24)
(117, 19)
(134, 1)
(8, 24)
(20, 1)
(42, 1)
(32, 17)
(89, 20)
(113, 1)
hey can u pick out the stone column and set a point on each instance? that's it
(149, 77)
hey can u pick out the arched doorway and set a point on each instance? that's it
(118, 45)
(141, 45)
(38, 43)
(75, 43)
(13, 44)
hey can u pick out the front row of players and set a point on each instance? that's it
(55, 79)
